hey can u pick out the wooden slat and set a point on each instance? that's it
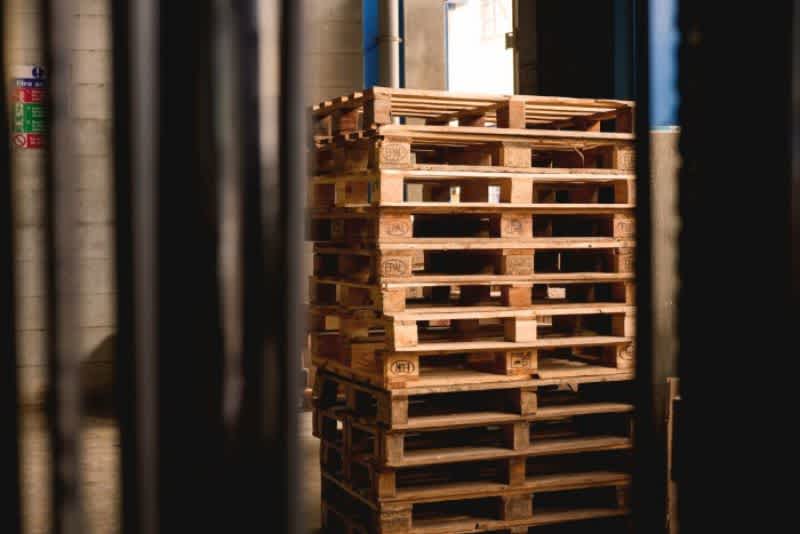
(540, 483)
(465, 419)
(471, 346)
(472, 524)
(541, 448)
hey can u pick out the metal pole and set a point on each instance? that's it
(10, 509)
(389, 43)
(62, 274)
(189, 345)
(650, 450)
(135, 28)
(294, 148)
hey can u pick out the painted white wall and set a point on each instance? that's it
(477, 59)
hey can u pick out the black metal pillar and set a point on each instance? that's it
(62, 273)
(209, 335)
(649, 482)
(736, 315)
(10, 504)
(135, 43)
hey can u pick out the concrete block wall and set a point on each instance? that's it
(334, 48)
(90, 108)
(335, 61)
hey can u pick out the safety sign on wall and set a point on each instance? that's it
(28, 105)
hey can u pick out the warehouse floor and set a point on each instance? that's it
(101, 490)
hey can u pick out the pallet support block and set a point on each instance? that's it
(393, 300)
(393, 451)
(518, 435)
(523, 400)
(377, 111)
(514, 155)
(516, 506)
(395, 265)
(514, 471)
(354, 327)
(520, 329)
(389, 188)
(395, 226)
(625, 292)
(619, 356)
(512, 114)
(355, 296)
(344, 120)
(517, 296)
(403, 333)
(625, 192)
(394, 518)
(517, 362)
(394, 151)
(625, 120)
(398, 368)
(517, 262)
(384, 483)
(623, 226)
(622, 158)
(516, 191)
(623, 260)
(352, 193)
(353, 155)
(516, 225)
(393, 410)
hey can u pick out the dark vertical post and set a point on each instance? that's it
(10, 504)
(294, 141)
(649, 482)
(189, 349)
(736, 322)
(134, 31)
(62, 274)
(795, 132)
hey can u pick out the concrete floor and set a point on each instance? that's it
(101, 490)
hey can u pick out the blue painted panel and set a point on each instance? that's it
(370, 30)
(664, 38)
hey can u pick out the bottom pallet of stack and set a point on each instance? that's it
(600, 511)
(478, 459)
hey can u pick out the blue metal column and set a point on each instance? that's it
(663, 64)
(370, 29)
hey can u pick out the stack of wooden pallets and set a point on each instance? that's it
(472, 311)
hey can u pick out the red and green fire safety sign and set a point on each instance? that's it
(28, 100)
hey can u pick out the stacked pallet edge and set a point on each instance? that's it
(472, 311)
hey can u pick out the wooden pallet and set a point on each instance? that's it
(459, 323)
(423, 225)
(548, 431)
(342, 295)
(477, 260)
(475, 187)
(381, 105)
(402, 371)
(462, 399)
(542, 501)
(404, 147)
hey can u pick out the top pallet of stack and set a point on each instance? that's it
(364, 110)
